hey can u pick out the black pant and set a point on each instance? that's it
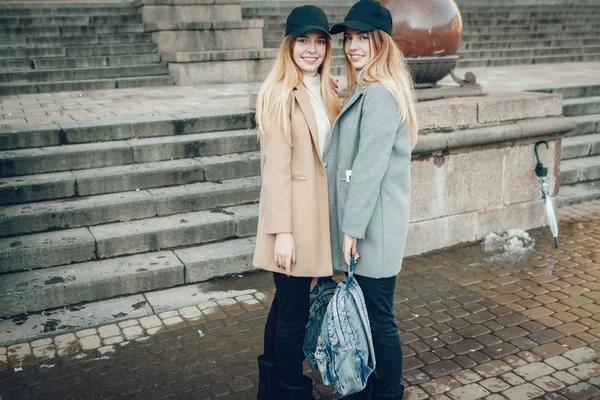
(379, 297)
(285, 327)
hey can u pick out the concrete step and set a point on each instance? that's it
(72, 74)
(79, 62)
(68, 20)
(72, 30)
(89, 211)
(524, 44)
(35, 188)
(579, 193)
(7, 42)
(116, 153)
(508, 37)
(98, 280)
(123, 129)
(579, 170)
(497, 62)
(591, 29)
(68, 246)
(580, 146)
(79, 51)
(81, 85)
(586, 124)
(566, 19)
(528, 52)
(581, 106)
(573, 91)
(22, 10)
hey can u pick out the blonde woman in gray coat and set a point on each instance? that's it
(368, 175)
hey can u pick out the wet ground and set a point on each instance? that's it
(474, 324)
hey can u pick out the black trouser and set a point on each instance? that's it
(285, 327)
(379, 297)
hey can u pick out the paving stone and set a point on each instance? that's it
(512, 379)
(559, 362)
(580, 391)
(549, 349)
(108, 331)
(494, 385)
(466, 376)
(501, 350)
(492, 369)
(526, 391)
(471, 391)
(548, 383)
(415, 393)
(534, 370)
(415, 377)
(440, 385)
(586, 370)
(523, 343)
(514, 361)
(581, 355)
(90, 342)
(565, 377)
(442, 368)
(151, 321)
(546, 336)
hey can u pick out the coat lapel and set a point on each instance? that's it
(353, 99)
(304, 102)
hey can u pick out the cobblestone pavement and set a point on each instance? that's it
(474, 325)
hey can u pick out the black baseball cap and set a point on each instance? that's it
(305, 19)
(366, 16)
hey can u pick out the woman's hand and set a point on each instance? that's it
(285, 252)
(334, 84)
(349, 248)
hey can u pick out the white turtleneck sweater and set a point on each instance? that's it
(313, 86)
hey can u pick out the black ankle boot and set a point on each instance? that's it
(269, 377)
(304, 392)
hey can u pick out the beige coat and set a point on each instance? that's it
(293, 196)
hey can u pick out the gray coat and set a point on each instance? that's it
(368, 139)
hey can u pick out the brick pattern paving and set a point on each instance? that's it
(471, 329)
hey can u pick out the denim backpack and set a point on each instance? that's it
(320, 296)
(345, 356)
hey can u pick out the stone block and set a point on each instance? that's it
(24, 189)
(231, 166)
(246, 219)
(201, 73)
(95, 131)
(20, 137)
(207, 39)
(515, 216)
(429, 189)
(219, 259)
(44, 250)
(450, 230)
(509, 106)
(161, 233)
(447, 113)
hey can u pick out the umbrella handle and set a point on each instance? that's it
(535, 148)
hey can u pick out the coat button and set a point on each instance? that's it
(325, 164)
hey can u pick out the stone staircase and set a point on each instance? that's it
(69, 47)
(493, 36)
(580, 159)
(104, 210)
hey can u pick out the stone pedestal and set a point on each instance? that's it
(207, 41)
(473, 166)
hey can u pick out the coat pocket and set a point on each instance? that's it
(298, 178)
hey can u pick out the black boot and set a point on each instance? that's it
(269, 377)
(304, 392)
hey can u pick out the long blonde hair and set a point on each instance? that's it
(274, 95)
(388, 67)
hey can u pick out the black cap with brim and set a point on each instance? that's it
(307, 28)
(360, 26)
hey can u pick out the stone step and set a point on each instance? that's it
(90, 84)
(89, 211)
(40, 187)
(123, 129)
(592, 28)
(586, 124)
(68, 246)
(528, 52)
(581, 106)
(580, 146)
(508, 37)
(79, 62)
(124, 152)
(79, 51)
(564, 20)
(573, 91)
(73, 74)
(67, 21)
(590, 41)
(25, 11)
(579, 193)
(7, 42)
(98, 280)
(579, 170)
(71, 30)
(497, 62)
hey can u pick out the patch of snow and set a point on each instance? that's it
(515, 244)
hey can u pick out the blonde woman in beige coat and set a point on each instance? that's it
(295, 108)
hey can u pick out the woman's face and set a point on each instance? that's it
(357, 48)
(310, 50)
